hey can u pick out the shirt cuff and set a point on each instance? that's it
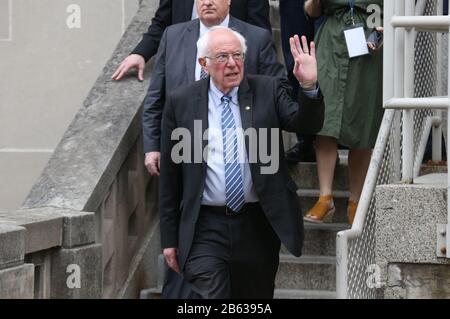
(312, 93)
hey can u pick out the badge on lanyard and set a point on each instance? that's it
(355, 36)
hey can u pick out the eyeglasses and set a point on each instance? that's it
(224, 57)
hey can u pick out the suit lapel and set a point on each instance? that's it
(190, 45)
(232, 23)
(201, 113)
(246, 107)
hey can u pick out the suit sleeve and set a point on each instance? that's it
(150, 40)
(259, 13)
(170, 188)
(304, 116)
(154, 101)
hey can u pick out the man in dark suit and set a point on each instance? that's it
(255, 12)
(223, 213)
(176, 64)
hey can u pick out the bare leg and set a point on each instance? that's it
(358, 163)
(326, 150)
(323, 210)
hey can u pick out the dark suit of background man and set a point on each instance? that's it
(170, 12)
(227, 249)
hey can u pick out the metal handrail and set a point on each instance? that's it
(343, 237)
(398, 92)
(418, 103)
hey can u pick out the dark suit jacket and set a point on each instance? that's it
(182, 185)
(175, 66)
(170, 12)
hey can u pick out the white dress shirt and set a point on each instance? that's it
(214, 192)
(194, 11)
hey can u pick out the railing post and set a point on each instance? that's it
(341, 266)
(398, 43)
(448, 173)
(408, 115)
(437, 130)
(448, 187)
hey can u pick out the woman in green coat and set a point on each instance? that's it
(352, 89)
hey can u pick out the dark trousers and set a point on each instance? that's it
(233, 256)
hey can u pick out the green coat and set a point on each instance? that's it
(352, 88)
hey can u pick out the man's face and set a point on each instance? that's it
(228, 74)
(212, 12)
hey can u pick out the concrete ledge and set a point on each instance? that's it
(43, 227)
(51, 227)
(12, 245)
(17, 282)
(79, 229)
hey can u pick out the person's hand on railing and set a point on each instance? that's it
(152, 162)
(133, 61)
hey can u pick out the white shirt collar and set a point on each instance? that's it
(219, 94)
(204, 28)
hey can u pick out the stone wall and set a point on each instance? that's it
(49, 62)
(88, 227)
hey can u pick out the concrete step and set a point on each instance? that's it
(303, 294)
(308, 197)
(306, 273)
(320, 239)
(305, 176)
(155, 293)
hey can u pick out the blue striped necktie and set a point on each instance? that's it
(234, 189)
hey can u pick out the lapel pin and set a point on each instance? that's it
(247, 108)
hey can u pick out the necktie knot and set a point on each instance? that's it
(226, 99)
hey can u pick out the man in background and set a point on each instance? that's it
(170, 12)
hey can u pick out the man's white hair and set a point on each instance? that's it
(202, 43)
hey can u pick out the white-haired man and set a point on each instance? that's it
(176, 65)
(222, 219)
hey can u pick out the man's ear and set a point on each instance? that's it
(202, 62)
